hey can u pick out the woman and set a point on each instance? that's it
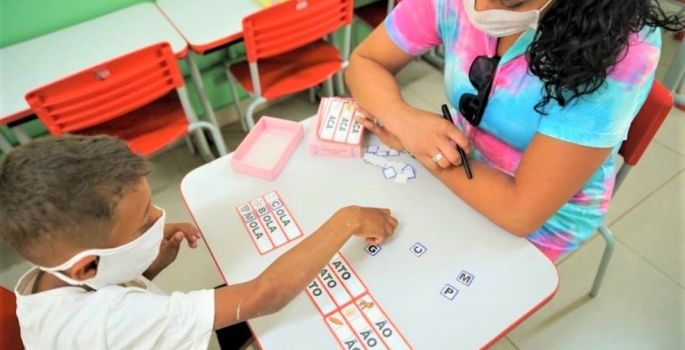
(543, 90)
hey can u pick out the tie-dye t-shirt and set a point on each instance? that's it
(601, 119)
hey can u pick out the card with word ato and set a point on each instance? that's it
(269, 222)
(454, 283)
(351, 314)
(347, 307)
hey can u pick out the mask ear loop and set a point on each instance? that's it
(539, 11)
(64, 277)
(545, 5)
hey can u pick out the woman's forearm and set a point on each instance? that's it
(375, 90)
(493, 194)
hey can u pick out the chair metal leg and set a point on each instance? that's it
(676, 72)
(679, 100)
(355, 31)
(201, 125)
(328, 87)
(347, 34)
(620, 176)
(250, 111)
(190, 145)
(340, 84)
(606, 256)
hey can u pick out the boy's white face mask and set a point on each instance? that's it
(500, 23)
(119, 264)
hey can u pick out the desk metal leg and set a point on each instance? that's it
(328, 87)
(5, 145)
(197, 79)
(202, 144)
(340, 84)
(22, 137)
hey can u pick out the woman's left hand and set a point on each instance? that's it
(383, 134)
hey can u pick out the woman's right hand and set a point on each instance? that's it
(426, 135)
(372, 224)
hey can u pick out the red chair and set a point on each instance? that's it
(286, 53)
(135, 97)
(374, 13)
(641, 132)
(10, 337)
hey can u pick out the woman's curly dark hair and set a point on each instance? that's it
(579, 41)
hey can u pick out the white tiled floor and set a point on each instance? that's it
(642, 301)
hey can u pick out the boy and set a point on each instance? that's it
(80, 209)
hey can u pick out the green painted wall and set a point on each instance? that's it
(25, 19)
(22, 20)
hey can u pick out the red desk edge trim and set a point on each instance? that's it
(201, 48)
(486, 346)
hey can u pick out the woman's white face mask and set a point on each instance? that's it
(119, 264)
(500, 23)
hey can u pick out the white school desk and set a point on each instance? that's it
(511, 278)
(39, 61)
(207, 25)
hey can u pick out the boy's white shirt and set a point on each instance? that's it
(136, 315)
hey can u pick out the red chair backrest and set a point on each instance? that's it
(10, 337)
(646, 123)
(292, 24)
(106, 91)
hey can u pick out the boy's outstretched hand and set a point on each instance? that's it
(174, 233)
(373, 224)
(278, 285)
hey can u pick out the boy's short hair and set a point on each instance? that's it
(63, 191)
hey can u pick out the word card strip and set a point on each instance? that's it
(269, 222)
(352, 315)
(339, 122)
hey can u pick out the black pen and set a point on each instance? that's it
(464, 161)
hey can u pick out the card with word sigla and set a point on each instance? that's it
(269, 222)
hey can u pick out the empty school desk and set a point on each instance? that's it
(447, 279)
(39, 61)
(207, 25)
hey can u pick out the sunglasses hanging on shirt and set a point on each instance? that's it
(481, 75)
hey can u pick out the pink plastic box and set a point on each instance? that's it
(268, 146)
(337, 132)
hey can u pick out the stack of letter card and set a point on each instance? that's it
(337, 132)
